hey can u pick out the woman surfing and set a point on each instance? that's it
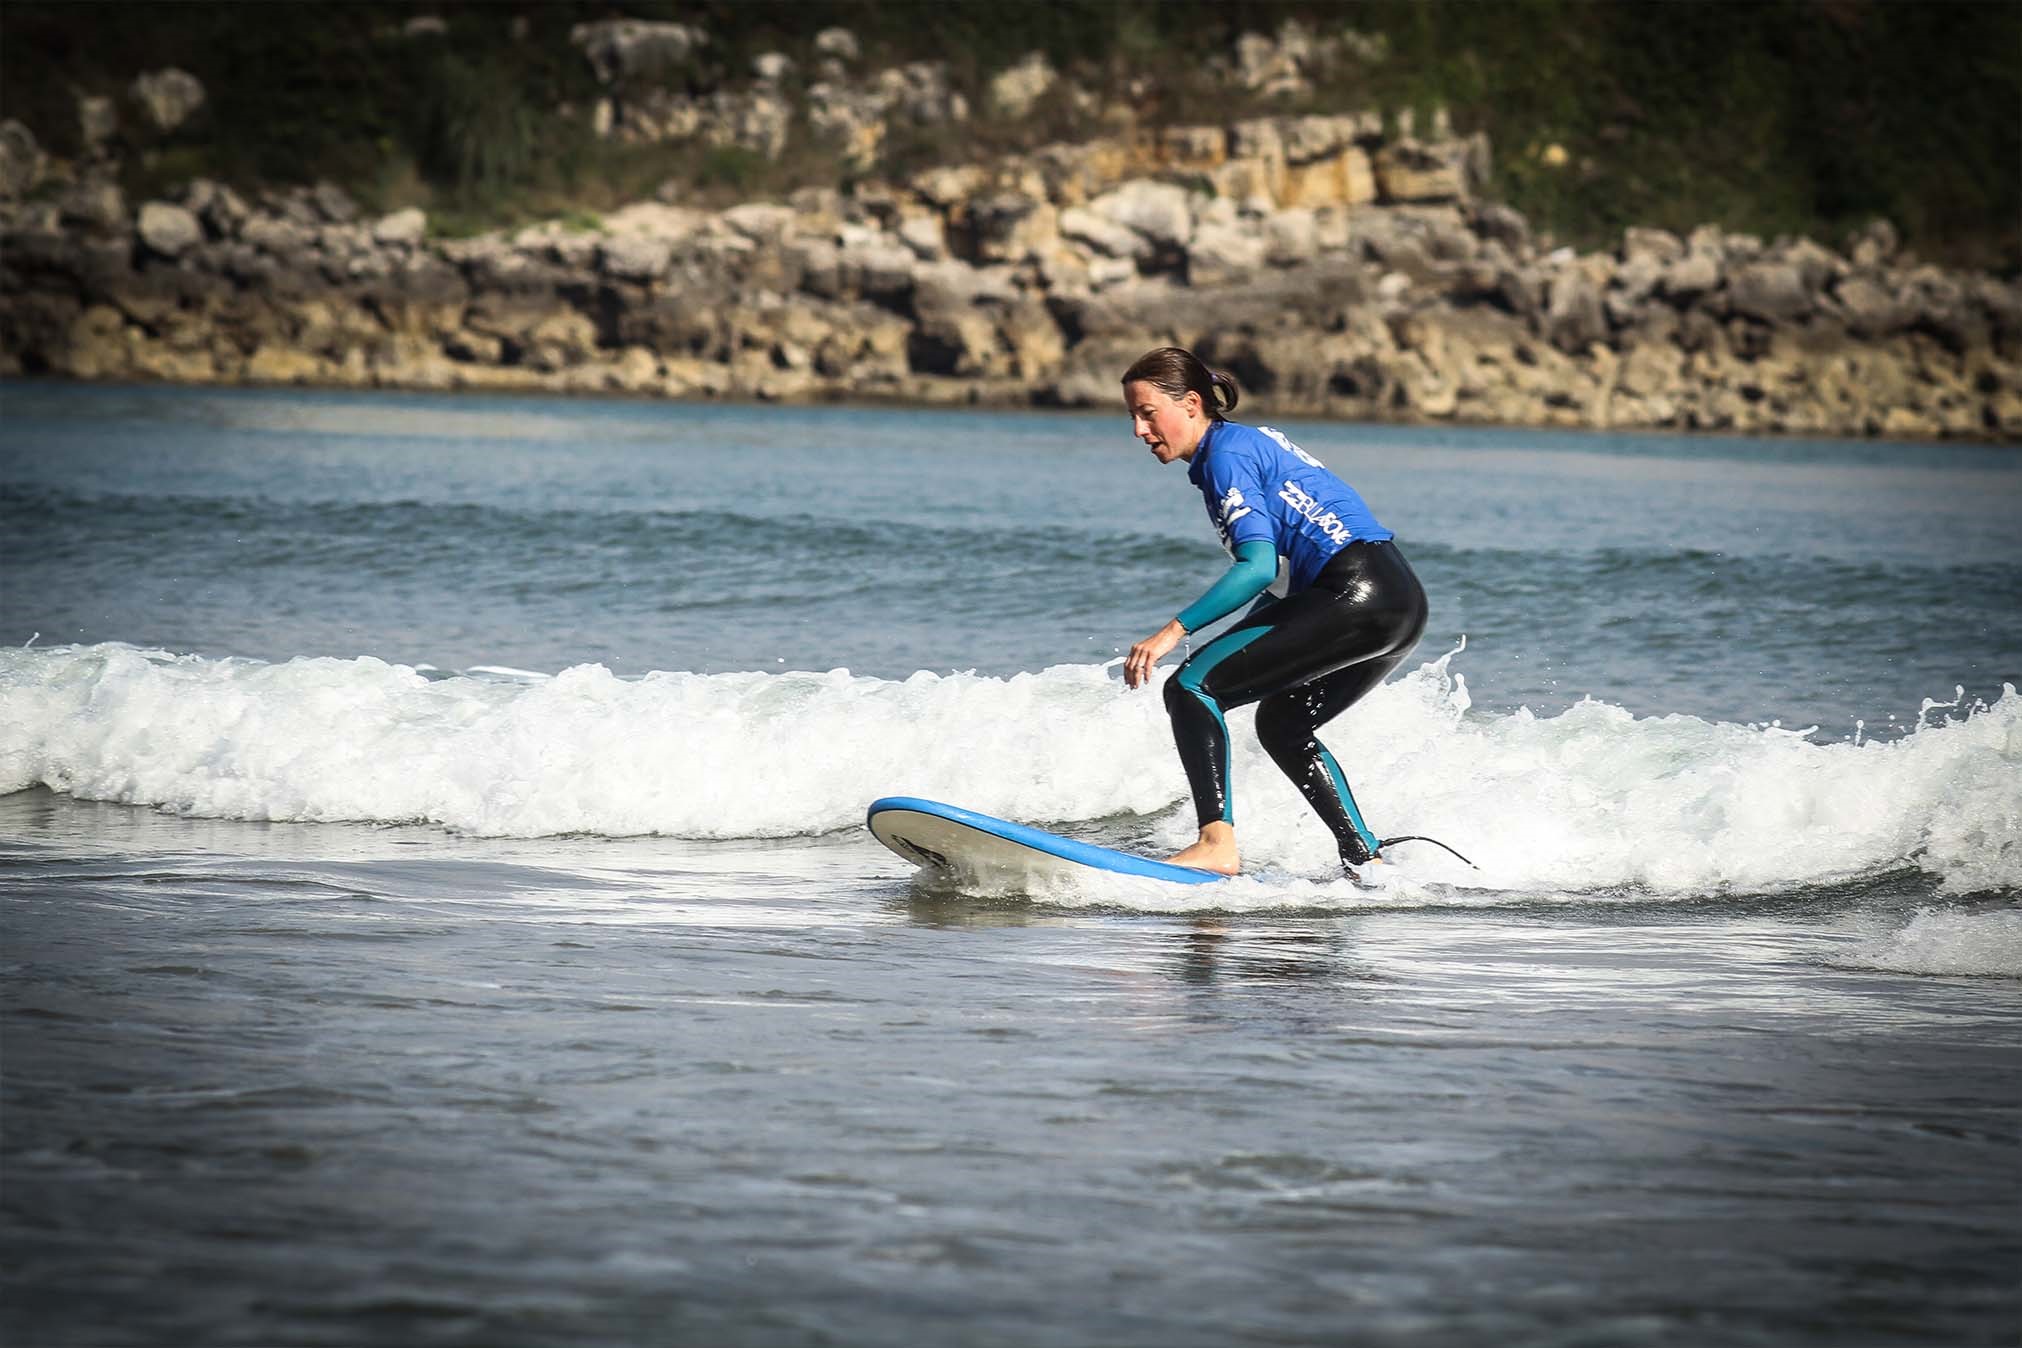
(1344, 608)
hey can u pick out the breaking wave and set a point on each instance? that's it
(1586, 799)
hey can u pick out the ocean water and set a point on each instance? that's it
(434, 907)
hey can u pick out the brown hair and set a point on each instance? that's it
(1175, 371)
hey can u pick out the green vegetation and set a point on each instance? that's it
(1787, 116)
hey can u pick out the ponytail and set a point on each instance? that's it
(1227, 395)
(1176, 371)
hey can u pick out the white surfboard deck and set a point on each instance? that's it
(967, 845)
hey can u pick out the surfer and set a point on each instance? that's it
(1336, 607)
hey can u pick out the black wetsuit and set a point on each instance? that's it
(1304, 659)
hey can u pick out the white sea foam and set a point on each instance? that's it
(1588, 799)
(1942, 941)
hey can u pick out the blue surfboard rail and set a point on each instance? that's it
(1067, 849)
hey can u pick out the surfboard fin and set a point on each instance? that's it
(1420, 837)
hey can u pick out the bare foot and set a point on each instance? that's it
(1216, 851)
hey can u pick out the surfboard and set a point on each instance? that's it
(965, 844)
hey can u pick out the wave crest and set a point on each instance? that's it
(1590, 798)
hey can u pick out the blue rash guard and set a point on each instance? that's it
(1268, 499)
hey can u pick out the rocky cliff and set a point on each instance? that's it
(1339, 265)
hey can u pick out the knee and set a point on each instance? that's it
(1189, 705)
(1283, 727)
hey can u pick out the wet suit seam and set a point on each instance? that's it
(1340, 781)
(1190, 678)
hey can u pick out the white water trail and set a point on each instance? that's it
(1589, 799)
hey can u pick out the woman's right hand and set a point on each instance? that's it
(1137, 666)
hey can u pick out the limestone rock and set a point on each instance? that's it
(31, 217)
(1689, 277)
(563, 338)
(333, 204)
(1941, 307)
(222, 210)
(635, 257)
(1504, 225)
(1345, 178)
(758, 120)
(97, 122)
(849, 119)
(946, 286)
(926, 235)
(1873, 245)
(1102, 234)
(954, 342)
(1258, 138)
(2002, 301)
(1636, 280)
(405, 227)
(1291, 238)
(1015, 90)
(1275, 67)
(1409, 170)
(1193, 147)
(1084, 258)
(1771, 291)
(650, 219)
(1075, 174)
(920, 91)
(22, 162)
(551, 240)
(156, 360)
(621, 50)
(284, 240)
(759, 221)
(1659, 247)
(1870, 310)
(275, 364)
(167, 98)
(95, 204)
(1306, 139)
(838, 44)
(168, 229)
(949, 187)
(475, 347)
(95, 345)
(294, 205)
(1620, 311)
(1158, 211)
(878, 269)
(1011, 226)
(1574, 319)
(1816, 267)
(636, 370)
(1034, 340)
(650, 115)
(1908, 423)
(1650, 368)
(1223, 255)
(1104, 272)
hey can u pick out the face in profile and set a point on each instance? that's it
(1170, 427)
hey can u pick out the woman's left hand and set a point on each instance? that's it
(1138, 664)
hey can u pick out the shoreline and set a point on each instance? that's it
(873, 403)
(1350, 263)
(1032, 282)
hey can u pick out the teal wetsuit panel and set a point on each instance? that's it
(1255, 567)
